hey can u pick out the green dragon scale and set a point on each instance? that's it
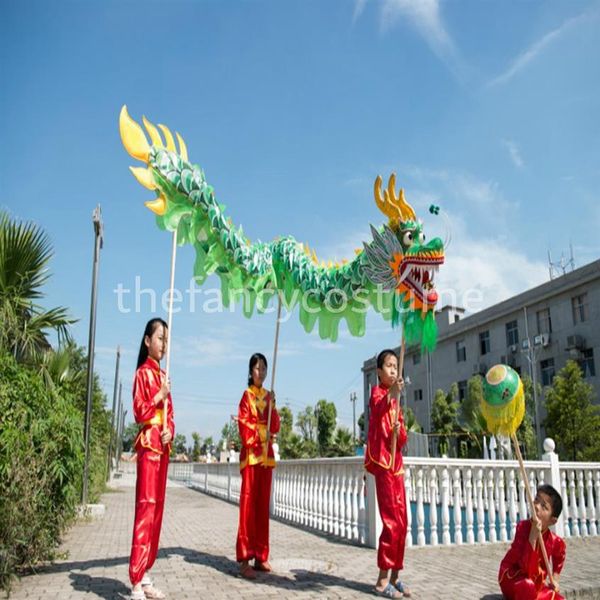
(393, 274)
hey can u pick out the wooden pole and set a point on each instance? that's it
(530, 498)
(169, 322)
(266, 451)
(394, 434)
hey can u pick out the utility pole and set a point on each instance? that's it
(531, 357)
(120, 444)
(98, 235)
(118, 433)
(112, 421)
(353, 400)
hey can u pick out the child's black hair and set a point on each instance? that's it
(382, 356)
(253, 360)
(150, 327)
(554, 496)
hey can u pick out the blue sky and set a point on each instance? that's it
(489, 109)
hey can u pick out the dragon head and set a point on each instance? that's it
(413, 261)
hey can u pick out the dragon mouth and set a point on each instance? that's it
(417, 276)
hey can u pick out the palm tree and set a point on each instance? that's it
(25, 251)
(61, 366)
(342, 442)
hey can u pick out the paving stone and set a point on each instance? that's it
(197, 560)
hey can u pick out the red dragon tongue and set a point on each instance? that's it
(425, 276)
(432, 297)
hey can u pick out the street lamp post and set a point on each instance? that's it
(98, 235)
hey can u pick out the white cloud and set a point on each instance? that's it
(345, 247)
(515, 153)
(425, 17)
(480, 272)
(359, 6)
(536, 48)
(211, 348)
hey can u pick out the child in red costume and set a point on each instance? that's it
(389, 478)
(152, 447)
(522, 574)
(256, 468)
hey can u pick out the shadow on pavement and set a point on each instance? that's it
(103, 587)
(298, 579)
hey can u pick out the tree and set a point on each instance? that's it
(294, 447)
(25, 251)
(471, 420)
(443, 416)
(526, 432)
(196, 447)
(326, 414)
(361, 428)
(230, 436)
(342, 443)
(179, 444)
(284, 437)
(410, 421)
(572, 420)
(307, 423)
(207, 447)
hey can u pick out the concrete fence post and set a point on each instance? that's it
(551, 457)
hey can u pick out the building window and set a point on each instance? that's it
(544, 322)
(587, 363)
(484, 342)
(461, 351)
(418, 395)
(462, 390)
(416, 358)
(547, 367)
(579, 305)
(512, 333)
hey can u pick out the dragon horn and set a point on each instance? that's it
(158, 206)
(133, 137)
(182, 147)
(144, 176)
(385, 206)
(168, 137)
(153, 133)
(402, 206)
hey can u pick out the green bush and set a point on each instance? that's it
(41, 465)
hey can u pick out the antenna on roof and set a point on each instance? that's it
(556, 269)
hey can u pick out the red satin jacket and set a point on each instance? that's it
(147, 383)
(382, 414)
(252, 423)
(522, 560)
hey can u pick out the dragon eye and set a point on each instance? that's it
(407, 238)
(421, 237)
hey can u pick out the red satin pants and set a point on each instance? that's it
(392, 508)
(253, 530)
(149, 504)
(522, 588)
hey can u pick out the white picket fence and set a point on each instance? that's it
(453, 501)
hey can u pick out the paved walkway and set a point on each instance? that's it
(197, 560)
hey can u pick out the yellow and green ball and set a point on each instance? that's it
(503, 405)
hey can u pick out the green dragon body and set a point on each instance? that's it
(393, 273)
